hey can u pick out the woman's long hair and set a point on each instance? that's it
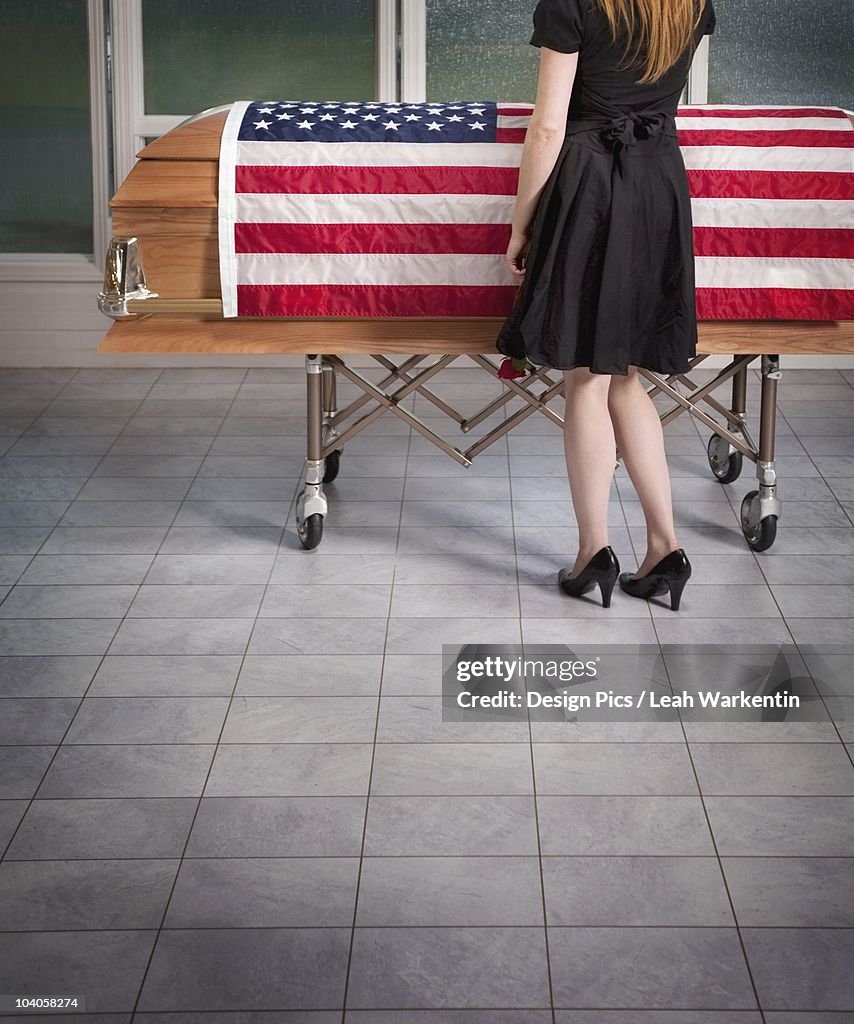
(658, 31)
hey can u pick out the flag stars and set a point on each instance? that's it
(412, 117)
(391, 125)
(370, 117)
(455, 117)
(262, 124)
(434, 126)
(478, 126)
(348, 124)
(284, 117)
(306, 124)
(265, 110)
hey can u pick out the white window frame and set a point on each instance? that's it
(131, 124)
(72, 267)
(413, 58)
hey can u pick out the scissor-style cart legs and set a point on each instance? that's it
(311, 504)
(761, 508)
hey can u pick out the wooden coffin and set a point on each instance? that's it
(169, 203)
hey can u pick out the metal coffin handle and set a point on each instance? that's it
(124, 279)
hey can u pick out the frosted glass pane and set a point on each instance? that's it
(783, 51)
(45, 147)
(201, 53)
(478, 49)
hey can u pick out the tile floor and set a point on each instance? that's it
(225, 782)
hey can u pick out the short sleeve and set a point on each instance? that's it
(558, 25)
(709, 19)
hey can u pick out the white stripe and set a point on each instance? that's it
(764, 106)
(375, 209)
(751, 124)
(762, 272)
(379, 154)
(772, 213)
(516, 121)
(770, 158)
(227, 212)
(372, 268)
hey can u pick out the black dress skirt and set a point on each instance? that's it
(609, 271)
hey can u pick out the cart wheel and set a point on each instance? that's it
(759, 535)
(331, 466)
(726, 465)
(311, 531)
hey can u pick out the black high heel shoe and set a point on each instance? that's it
(603, 568)
(671, 573)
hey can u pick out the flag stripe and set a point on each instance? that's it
(390, 238)
(375, 209)
(773, 304)
(711, 182)
(718, 110)
(425, 180)
(771, 213)
(749, 137)
(780, 158)
(802, 243)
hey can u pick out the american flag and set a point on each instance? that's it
(403, 210)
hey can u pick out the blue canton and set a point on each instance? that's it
(271, 121)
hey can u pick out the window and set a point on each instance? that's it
(783, 51)
(45, 127)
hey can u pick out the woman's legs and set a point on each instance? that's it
(637, 428)
(590, 456)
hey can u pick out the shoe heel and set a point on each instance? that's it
(606, 587)
(676, 588)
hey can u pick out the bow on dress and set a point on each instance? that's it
(622, 130)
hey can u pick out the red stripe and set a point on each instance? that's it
(830, 112)
(510, 134)
(785, 137)
(356, 180)
(795, 243)
(375, 300)
(508, 110)
(715, 183)
(774, 304)
(372, 238)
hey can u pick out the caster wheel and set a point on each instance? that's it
(759, 535)
(310, 531)
(726, 465)
(331, 466)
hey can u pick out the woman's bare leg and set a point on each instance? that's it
(638, 431)
(590, 456)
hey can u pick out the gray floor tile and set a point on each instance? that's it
(12, 568)
(483, 508)
(268, 467)
(450, 826)
(437, 569)
(290, 769)
(301, 720)
(547, 601)
(452, 769)
(620, 825)
(98, 829)
(120, 513)
(635, 891)
(242, 488)
(123, 488)
(330, 675)
(446, 1017)
(127, 770)
(38, 466)
(165, 675)
(443, 600)
(27, 720)
(278, 827)
(430, 891)
(324, 601)
(338, 569)
(177, 445)
(791, 892)
(451, 967)
(59, 602)
(46, 676)
(136, 466)
(233, 513)
(22, 540)
(802, 968)
(148, 720)
(106, 967)
(412, 674)
(778, 769)
(595, 629)
(670, 629)
(247, 969)
(646, 769)
(423, 720)
(780, 826)
(31, 513)
(265, 893)
(21, 770)
(427, 636)
(659, 1017)
(93, 570)
(79, 426)
(220, 540)
(194, 601)
(687, 968)
(99, 894)
(306, 636)
(104, 540)
(210, 570)
(182, 636)
(820, 601)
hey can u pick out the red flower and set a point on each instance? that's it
(511, 368)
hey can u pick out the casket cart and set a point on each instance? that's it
(162, 286)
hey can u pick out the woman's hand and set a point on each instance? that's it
(517, 250)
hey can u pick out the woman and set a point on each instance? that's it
(602, 244)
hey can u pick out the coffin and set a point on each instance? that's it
(168, 203)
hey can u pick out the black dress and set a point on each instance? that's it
(609, 273)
